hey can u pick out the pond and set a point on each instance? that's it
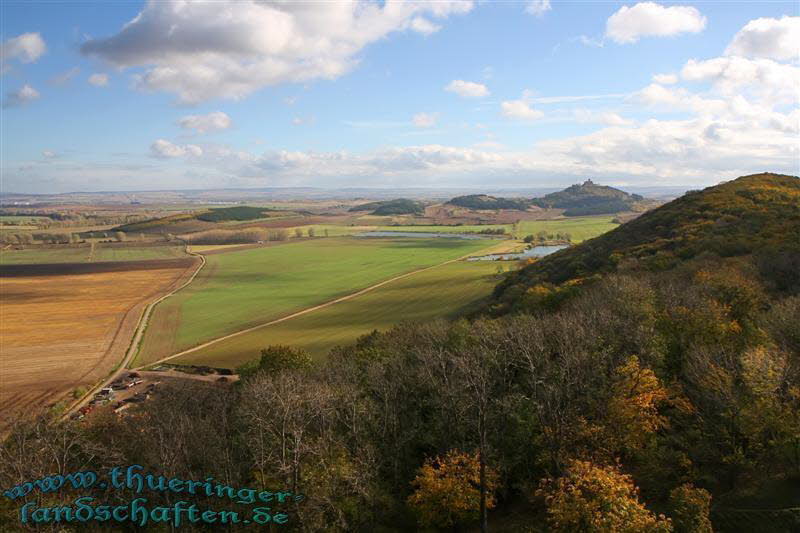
(424, 235)
(536, 251)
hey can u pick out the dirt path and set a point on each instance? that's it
(303, 311)
(133, 347)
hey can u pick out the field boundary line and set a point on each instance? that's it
(133, 347)
(303, 311)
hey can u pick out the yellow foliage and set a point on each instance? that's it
(633, 409)
(762, 370)
(448, 489)
(597, 499)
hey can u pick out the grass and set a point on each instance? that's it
(44, 255)
(439, 292)
(238, 290)
(137, 253)
(579, 228)
(82, 254)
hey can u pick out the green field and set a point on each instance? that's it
(83, 254)
(237, 290)
(137, 253)
(579, 228)
(439, 292)
(44, 255)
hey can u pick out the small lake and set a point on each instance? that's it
(425, 235)
(536, 251)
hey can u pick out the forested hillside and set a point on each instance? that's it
(484, 201)
(589, 198)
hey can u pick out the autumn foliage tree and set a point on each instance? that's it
(690, 509)
(447, 490)
(597, 499)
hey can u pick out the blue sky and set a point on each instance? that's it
(360, 93)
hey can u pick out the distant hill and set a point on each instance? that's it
(239, 212)
(399, 206)
(484, 201)
(752, 215)
(589, 198)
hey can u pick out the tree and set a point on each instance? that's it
(120, 236)
(446, 489)
(298, 232)
(327, 233)
(597, 499)
(311, 232)
(632, 411)
(529, 238)
(275, 359)
(690, 509)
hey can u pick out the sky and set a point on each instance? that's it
(183, 94)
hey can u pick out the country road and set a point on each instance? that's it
(134, 345)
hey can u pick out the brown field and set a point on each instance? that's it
(67, 326)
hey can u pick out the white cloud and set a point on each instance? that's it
(64, 77)
(607, 118)
(520, 109)
(425, 120)
(204, 50)
(467, 89)
(770, 38)
(27, 48)
(647, 19)
(768, 80)
(20, 97)
(49, 154)
(665, 79)
(215, 121)
(424, 26)
(98, 80)
(164, 149)
(537, 8)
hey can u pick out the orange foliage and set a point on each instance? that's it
(597, 499)
(448, 489)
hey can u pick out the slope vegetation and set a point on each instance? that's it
(757, 214)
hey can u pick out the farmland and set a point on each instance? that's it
(63, 327)
(579, 228)
(437, 293)
(241, 289)
(85, 253)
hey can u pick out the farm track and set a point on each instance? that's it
(302, 311)
(140, 327)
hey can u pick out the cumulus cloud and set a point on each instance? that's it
(520, 109)
(211, 122)
(231, 48)
(164, 149)
(26, 48)
(648, 19)
(49, 154)
(665, 79)
(537, 8)
(769, 38)
(98, 80)
(467, 89)
(425, 120)
(20, 97)
(767, 79)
